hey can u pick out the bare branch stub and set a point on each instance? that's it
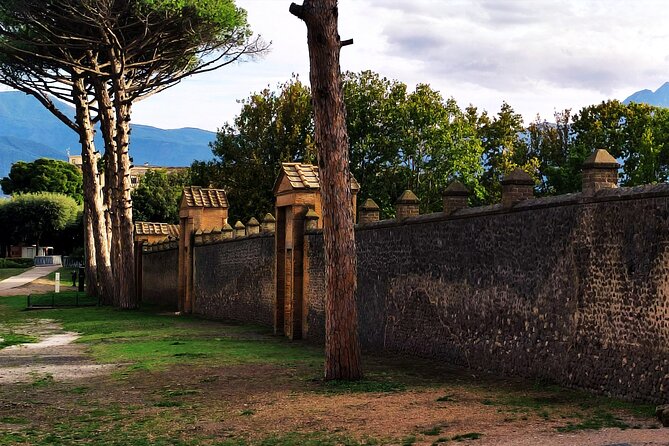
(346, 42)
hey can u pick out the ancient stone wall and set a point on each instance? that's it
(159, 278)
(234, 279)
(569, 289)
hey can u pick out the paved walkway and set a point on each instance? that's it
(27, 277)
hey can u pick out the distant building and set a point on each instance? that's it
(136, 172)
(28, 252)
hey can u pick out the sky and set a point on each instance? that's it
(539, 56)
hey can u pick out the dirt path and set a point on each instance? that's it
(55, 356)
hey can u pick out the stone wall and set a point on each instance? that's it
(234, 279)
(569, 289)
(159, 278)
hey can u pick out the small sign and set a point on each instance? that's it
(57, 282)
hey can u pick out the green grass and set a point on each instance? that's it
(6, 273)
(62, 299)
(596, 412)
(467, 436)
(164, 413)
(42, 380)
(595, 421)
(371, 384)
(65, 276)
(11, 338)
(313, 439)
(431, 432)
(148, 341)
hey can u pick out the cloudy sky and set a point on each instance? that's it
(538, 55)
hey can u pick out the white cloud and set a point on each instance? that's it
(536, 55)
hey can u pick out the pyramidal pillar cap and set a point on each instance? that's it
(601, 159)
(407, 197)
(456, 189)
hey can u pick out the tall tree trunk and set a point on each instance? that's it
(342, 347)
(122, 106)
(111, 192)
(92, 192)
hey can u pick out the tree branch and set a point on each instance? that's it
(297, 10)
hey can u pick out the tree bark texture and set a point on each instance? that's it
(93, 194)
(342, 347)
(92, 282)
(122, 106)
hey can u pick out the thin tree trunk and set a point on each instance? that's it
(92, 281)
(342, 347)
(92, 192)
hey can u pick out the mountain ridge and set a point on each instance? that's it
(29, 131)
(659, 97)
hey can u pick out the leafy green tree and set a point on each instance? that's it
(438, 146)
(504, 149)
(272, 127)
(44, 175)
(157, 197)
(407, 140)
(398, 140)
(636, 134)
(372, 105)
(36, 218)
(560, 158)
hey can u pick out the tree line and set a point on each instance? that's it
(419, 140)
(472, 146)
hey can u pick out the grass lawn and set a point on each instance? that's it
(10, 272)
(185, 381)
(65, 276)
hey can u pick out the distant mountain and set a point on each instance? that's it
(28, 131)
(659, 97)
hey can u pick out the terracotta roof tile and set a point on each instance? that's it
(150, 228)
(305, 176)
(208, 198)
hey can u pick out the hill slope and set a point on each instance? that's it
(659, 97)
(28, 131)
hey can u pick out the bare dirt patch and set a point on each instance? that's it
(55, 355)
(53, 392)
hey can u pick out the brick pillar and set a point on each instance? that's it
(227, 232)
(455, 197)
(216, 235)
(240, 230)
(311, 220)
(268, 223)
(252, 227)
(517, 186)
(198, 238)
(600, 171)
(369, 212)
(406, 206)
